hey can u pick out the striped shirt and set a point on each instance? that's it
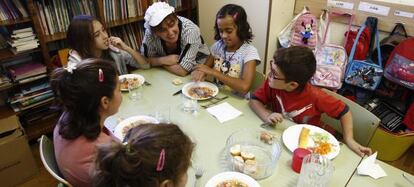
(193, 49)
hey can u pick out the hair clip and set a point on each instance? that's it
(101, 75)
(161, 160)
(235, 16)
(70, 67)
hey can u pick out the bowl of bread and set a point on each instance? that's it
(253, 152)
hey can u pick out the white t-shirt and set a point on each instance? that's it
(232, 63)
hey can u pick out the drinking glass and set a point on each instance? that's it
(162, 114)
(189, 105)
(135, 93)
(316, 171)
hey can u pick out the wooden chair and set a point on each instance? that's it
(47, 155)
(364, 122)
(258, 80)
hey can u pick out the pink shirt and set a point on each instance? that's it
(76, 158)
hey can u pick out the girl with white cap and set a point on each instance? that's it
(172, 41)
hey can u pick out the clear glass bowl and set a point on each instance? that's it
(266, 154)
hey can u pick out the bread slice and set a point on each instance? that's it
(304, 137)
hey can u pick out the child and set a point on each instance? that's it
(172, 41)
(288, 93)
(153, 155)
(233, 57)
(88, 38)
(89, 92)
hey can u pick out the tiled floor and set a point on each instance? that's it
(44, 179)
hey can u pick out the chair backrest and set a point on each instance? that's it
(364, 122)
(258, 80)
(47, 155)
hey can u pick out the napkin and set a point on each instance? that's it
(369, 167)
(224, 112)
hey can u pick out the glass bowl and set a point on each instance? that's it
(253, 152)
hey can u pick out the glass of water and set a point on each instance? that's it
(135, 93)
(316, 171)
(162, 114)
(189, 105)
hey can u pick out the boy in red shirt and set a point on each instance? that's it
(287, 93)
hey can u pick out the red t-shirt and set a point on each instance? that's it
(304, 107)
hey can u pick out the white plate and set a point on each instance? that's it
(221, 177)
(141, 79)
(190, 85)
(290, 138)
(118, 129)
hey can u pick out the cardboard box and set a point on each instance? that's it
(17, 164)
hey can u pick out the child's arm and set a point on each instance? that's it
(199, 75)
(170, 63)
(347, 129)
(240, 85)
(117, 42)
(265, 114)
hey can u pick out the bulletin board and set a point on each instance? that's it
(387, 13)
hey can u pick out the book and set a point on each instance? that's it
(28, 29)
(33, 78)
(22, 35)
(26, 89)
(20, 97)
(17, 43)
(21, 8)
(18, 108)
(36, 99)
(25, 70)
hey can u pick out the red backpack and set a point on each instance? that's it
(400, 64)
(362, 46)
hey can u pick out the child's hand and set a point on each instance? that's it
(203, 68)
(274, 118)
(358, 149)
(171, 60)
(117, 42)
(198, 75)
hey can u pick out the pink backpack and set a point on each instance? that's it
(304, 31)
(331, 59)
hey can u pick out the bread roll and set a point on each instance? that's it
(247, 156)
(304, 138)
(235, 150)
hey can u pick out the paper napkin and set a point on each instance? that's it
(224, 112)
(370, 168)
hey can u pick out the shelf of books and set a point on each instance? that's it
(14, 21)
(55, 37)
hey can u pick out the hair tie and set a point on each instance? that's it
(235, 16)
(101, 75)
(70, 67)
(161, 160)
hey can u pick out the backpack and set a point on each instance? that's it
(284, 36)
(400, 64)
(362, 46)
(304, 31)
(331, 59)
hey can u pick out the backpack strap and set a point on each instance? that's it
(337, 13)
(400, 29)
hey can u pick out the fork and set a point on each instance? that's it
(409, 180)
(146, 83)
(217, 100)
(199, 171)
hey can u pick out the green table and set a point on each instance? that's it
(210, 135)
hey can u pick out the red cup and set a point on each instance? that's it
(298, 155)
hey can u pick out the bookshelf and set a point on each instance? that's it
(51, 32)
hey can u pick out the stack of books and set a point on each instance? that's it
(23, 40)
(26, 72)
(31, 96)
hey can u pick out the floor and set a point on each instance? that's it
(44, 179)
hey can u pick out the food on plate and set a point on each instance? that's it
(132, 125)
(133, 81)
(322, 145)
(247, 155)
(177, 81)
(235, 150)
(266, 137)
(232, 183)
(200, 92)
(304, 138)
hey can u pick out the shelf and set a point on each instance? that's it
(6, 111)
(123, 22)
(14, 21)
(55, 37)
(6, 54)
(41, 127)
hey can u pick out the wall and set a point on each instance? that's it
(257, 16)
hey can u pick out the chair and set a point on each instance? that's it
(47, 155)
(364, 122)
(258, 80)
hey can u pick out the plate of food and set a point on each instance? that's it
(125, 125)
(311, 137)
(135, 80)
(232, 179)
(200, 90)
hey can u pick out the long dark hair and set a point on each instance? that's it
(135, 163)
(80, 36)
(80, 94)
(244, 31)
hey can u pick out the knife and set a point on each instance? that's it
(178, 92)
